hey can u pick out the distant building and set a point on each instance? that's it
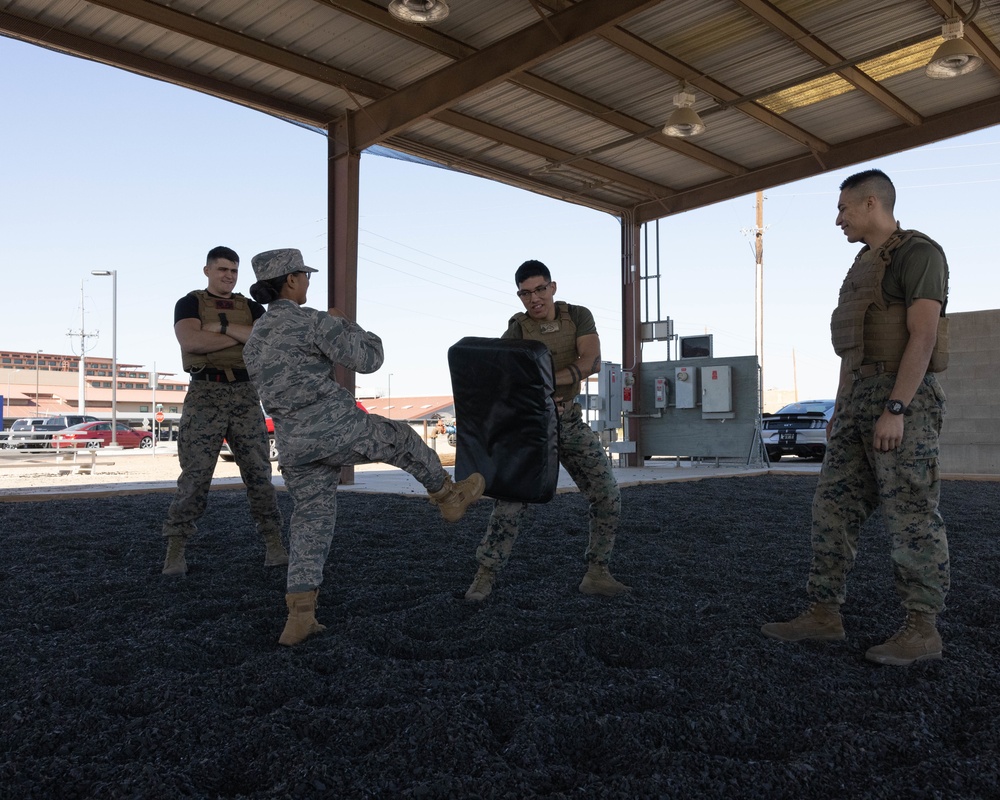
(39, 385)
(48, 384)
(411, 409)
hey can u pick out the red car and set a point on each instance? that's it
(98, 434)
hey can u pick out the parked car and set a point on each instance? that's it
(22, 434)
(226, 454)
(65, 421)
(98, 434)
(798, 429)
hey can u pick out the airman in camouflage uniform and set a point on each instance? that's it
(890, 331)
(211, 326)
(571, 336)
(291, 355)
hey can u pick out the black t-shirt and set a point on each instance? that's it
(187, 307)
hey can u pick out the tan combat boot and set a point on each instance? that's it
(917, 640)
(174, 564)
(454, 498)
(482, 585)
(821, 622)
(301, 622)
(599, 581)
(276, 555)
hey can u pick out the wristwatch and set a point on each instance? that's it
(895, 407)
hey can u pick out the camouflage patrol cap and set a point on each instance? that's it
(275, 263)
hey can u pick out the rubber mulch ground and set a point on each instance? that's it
(119, 683)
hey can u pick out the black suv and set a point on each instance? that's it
(51, 424)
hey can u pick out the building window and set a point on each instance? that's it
(173, 409)
(143, 409)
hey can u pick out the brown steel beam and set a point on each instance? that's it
(632, 324)
(528, 145)
(579, 196)
(489, 66)
(933, 129)
(809, 43)
(445, 45)
(661, 60)
(344, 181)
(45, 36)
(188, 25)
(380, 17)
(655, 57)
(611, 117)
(70, 44)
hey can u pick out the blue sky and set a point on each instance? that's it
(107, 170)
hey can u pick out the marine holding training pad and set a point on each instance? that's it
(506, 421)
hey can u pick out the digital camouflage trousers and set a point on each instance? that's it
(856, 479)
(583, 456)
(313, 488)
(213, 412)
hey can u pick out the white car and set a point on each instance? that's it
(22, 434)
(798, 429)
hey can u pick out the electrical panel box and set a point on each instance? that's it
(627, 381)
(716, 389)
(608, 400)
(660, 393)
(609, 386)
(685, 387)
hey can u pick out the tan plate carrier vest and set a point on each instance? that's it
(559, 336)
(867, 330)
(237, 311)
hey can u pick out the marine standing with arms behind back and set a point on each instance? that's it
(292, 354)
(890, 332)
(212, 326)
(571, 336)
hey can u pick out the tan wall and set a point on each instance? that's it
(970, 441)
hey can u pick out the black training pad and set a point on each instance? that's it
(506, 418)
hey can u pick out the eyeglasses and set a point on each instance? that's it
(541, 291)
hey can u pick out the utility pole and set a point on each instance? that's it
(758, 299)
(759, 283)
(82, 387)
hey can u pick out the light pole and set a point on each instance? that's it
(37, 354)
(389, 409)
(103, 273)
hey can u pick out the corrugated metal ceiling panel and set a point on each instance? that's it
(597, 98)
(605, 73)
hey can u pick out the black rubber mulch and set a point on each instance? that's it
(119, 683)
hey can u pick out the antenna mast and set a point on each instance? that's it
(82, 387)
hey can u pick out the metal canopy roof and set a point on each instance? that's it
(564, 98)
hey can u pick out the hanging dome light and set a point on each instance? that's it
(684, 121)
(955, 56)
(422, 12)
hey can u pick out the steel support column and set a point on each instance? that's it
(343, 182)
(631, 324)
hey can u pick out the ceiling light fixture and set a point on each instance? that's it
(421, 12)
(684, 121)
(955, 56)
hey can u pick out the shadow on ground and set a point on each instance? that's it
(119, 683)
